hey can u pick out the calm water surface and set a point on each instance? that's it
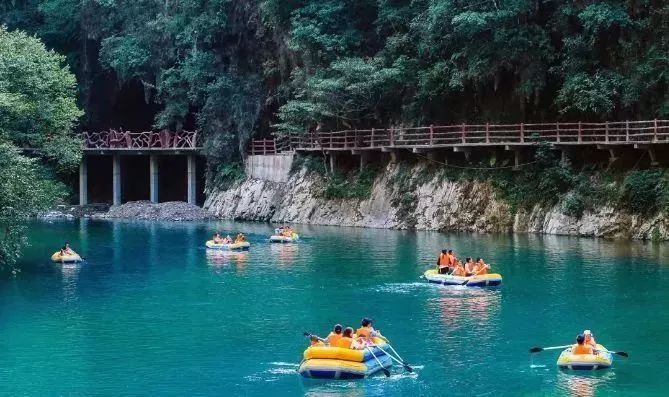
(151, 312)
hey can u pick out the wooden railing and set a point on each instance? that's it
(120, 140)
(621, 132)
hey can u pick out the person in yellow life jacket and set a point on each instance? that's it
(444, 262)
(335, 335)
(480, 267)
(580, 347)
(346, 340)
(367, 330)
(458, 270)
(589, 339)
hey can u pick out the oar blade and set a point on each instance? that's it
(386, 373)
(622, 354)
(536, 349)
(408, 368)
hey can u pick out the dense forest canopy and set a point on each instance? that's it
(234, 68)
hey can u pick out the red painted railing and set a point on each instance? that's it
(620, 132)
(119, 139)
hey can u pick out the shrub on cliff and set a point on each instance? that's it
(644, 191)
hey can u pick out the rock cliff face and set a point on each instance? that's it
(413, 201)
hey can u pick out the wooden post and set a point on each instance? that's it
(392, 137)
(557, 132)
(330, 139)
(464, 140)
(345, 139)
(274, 141)
(606, 131)
(371, 141)
(522, 134)
(487, 132)
(655, 130)
(264, 146)
(580, 138)
(431, 134)
(627, 131)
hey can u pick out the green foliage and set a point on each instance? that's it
(573, 204)
(353, 185)
(314, 164)
(228, 174)
(25, 189)
(644, 191)
(37, 99)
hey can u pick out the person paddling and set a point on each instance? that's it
(335, 335)
(458, 270)
(589, 338)
(367, 330)
(480, 267)
(444, 265)
(68, 250)
(580, 347)
(346, 340)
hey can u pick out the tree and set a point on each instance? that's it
(37, 111)
(38, 106)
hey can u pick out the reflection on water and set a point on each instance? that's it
(467, 307)
(225, 258)
(583, 385)
(284, 254)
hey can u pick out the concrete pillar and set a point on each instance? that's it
(333, 163)
(653, 157)
(192, 177)
(516, 160)
(153, 178)
(393, 156)
(116, 179)
(83, 182)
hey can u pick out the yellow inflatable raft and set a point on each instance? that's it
(325, 362)
(484, 280)
(233, 246)
(276, 238)
(585, 362)
(57, 257)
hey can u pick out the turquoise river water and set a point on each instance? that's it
(151, 312)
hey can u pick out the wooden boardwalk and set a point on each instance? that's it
(637, 134)
(119, 141)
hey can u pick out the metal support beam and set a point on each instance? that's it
(153, 178)
(192, 179)
(116, 179)
(333, 162)
(516, 160)
(364, 159)
(83, 182)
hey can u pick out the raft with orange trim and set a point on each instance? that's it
(483, 280)
(585, 362)
(244, 245)
(326, 362)
(73, 258)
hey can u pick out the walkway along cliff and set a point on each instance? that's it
(464, 187)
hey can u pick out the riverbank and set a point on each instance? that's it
(416, 196)
(177, 211)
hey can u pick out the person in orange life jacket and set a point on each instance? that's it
(346, 339)
(580, 347)
(458, 270)
(335, 335)
(367, 330)
(444, 263)
(589, 339)
(316, 341)
(480, 267)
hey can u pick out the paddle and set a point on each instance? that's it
(539, 349)
(385, 371)
(309, 335)
(621, 354)
(403, 364)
